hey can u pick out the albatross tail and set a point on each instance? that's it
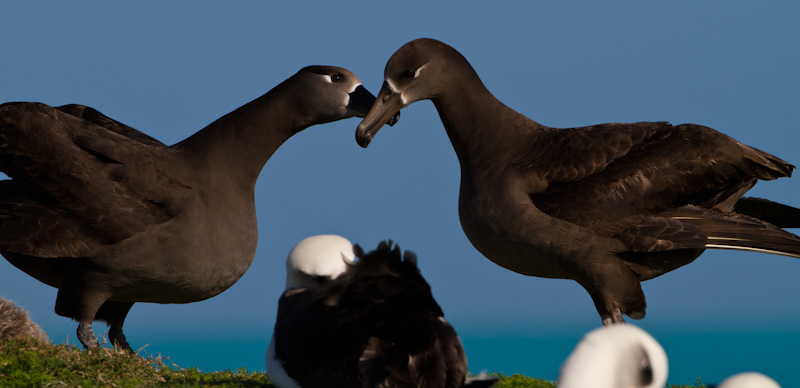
(778, 214)
(745, 233)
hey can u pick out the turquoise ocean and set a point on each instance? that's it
(705, 355)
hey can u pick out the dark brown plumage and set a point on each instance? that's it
(368, 323)
(608, 205)
(111, 216)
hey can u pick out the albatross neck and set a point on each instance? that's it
(480, 127)
(239, 144)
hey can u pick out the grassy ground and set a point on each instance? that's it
(29, 363)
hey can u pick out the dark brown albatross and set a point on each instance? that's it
(111, 216)
(608, 205)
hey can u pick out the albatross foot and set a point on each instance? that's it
(117, 338)
(86, 335)
(613, 318)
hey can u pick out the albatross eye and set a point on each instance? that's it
(336, 77)
(410, 73)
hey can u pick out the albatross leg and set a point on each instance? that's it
(615, 291)
(610, 317)
(114, 314)
(613, 318)
(86, 335)
(73, 304)
(78, 301)
(117, 338)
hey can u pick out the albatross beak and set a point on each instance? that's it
(361, 100)
(385, 110)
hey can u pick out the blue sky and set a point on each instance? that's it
(170, 69)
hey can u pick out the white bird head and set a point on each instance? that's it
(618, 356)
(318, 259)
(749, 380)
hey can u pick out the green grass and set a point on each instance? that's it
(29, 363)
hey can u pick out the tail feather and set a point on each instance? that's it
(742, 232)
(754, 246)
(778, 214)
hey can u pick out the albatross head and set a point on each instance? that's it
(318, 259)
(420, 70)
(618, 356)
(327, 93)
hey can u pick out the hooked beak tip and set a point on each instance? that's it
(363, 140)
(386, 110)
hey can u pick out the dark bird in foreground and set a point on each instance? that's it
(608, 205)
(371, 322)
(111, 216)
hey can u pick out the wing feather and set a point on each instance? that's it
(670, 167)
(82, 183)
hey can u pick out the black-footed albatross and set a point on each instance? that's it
(607, 205)
(111, 216)
(355, 319)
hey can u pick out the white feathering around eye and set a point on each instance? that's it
(347, 95)
(347, 99)
(393, 88)
(419, 70)
(391, 84)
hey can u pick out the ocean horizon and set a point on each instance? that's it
(694, 355)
